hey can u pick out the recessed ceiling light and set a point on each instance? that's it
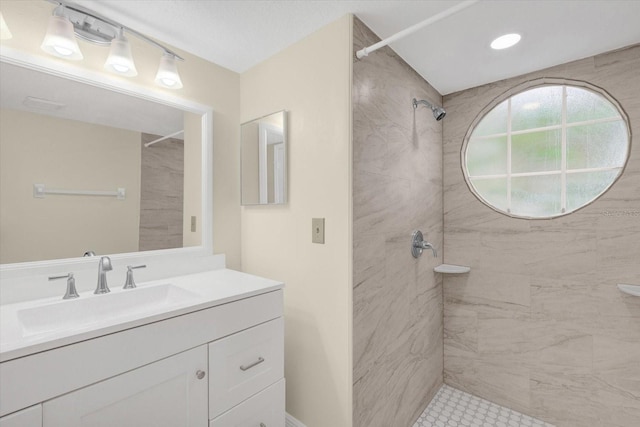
(505, 41)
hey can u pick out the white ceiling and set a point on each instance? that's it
(452, 54)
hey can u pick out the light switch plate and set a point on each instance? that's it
(317, 230)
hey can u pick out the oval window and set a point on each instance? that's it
(546, 151)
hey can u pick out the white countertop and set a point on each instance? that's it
(210, 289)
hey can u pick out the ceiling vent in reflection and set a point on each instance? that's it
(42, 104)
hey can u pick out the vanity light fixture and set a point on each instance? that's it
(5, 34)
(60, 40)
(167, 75)
(70, 18)
(505, 41)
(120, 60)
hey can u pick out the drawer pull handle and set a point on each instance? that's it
(200, 374)
(247, 367)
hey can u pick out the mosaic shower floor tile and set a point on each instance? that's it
(454, 408)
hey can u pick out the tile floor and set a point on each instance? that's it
(454, 408)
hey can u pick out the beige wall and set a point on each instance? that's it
(311, 80)
(66, 154)
(250, 163)
(539, 325)
(192, 191)
(397, 167)
(204, 82)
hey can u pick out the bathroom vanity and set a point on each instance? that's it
(203, 349)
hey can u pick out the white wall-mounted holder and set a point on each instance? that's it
(452, 269)
(39, 192)
(630, 289)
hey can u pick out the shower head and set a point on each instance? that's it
(438, 112)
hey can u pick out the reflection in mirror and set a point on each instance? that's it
(87, 169)
(264, 160)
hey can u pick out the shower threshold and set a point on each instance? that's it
(451, 407)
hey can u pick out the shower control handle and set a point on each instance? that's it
(418, 244)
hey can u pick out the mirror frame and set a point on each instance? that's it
(97, 79)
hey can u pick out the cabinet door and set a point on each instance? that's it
(265, 409)
(167, 393)
(30, 417)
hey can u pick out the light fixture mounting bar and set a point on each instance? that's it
(115, 24)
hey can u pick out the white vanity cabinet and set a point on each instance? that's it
(220, 365)
(239, 377)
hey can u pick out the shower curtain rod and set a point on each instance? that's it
(412, 29)
(155, 141)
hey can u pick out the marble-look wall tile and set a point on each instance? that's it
(538, 324)
(498, 375)
(161, 193)
(397, 188)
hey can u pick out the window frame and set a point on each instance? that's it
(563, 126)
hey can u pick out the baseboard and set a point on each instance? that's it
(292, 422)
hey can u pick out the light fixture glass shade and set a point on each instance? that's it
(120, 60)
(168, 72)
(60, 40)
(5, 34)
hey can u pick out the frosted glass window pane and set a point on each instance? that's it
(537, 108)
(493, 122)
(536, 152)
(583, 187)
(597, 145)
(585, 105)
(487, 156)
(493, 191)
(536, 196)
(514, 139)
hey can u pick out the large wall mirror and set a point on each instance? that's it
(264, 160)
(91, 168)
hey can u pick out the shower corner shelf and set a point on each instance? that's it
(630, 289)
(451, 269)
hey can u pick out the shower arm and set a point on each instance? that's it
(422, 101)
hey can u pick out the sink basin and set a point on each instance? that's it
(88, 310)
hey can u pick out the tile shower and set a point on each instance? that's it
(538, 325)
(397, 188)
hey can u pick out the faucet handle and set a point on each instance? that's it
(130, 283)
(71, 285)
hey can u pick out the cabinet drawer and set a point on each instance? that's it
(265, 409)
(243, 364)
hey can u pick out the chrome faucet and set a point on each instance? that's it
(103, 267)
